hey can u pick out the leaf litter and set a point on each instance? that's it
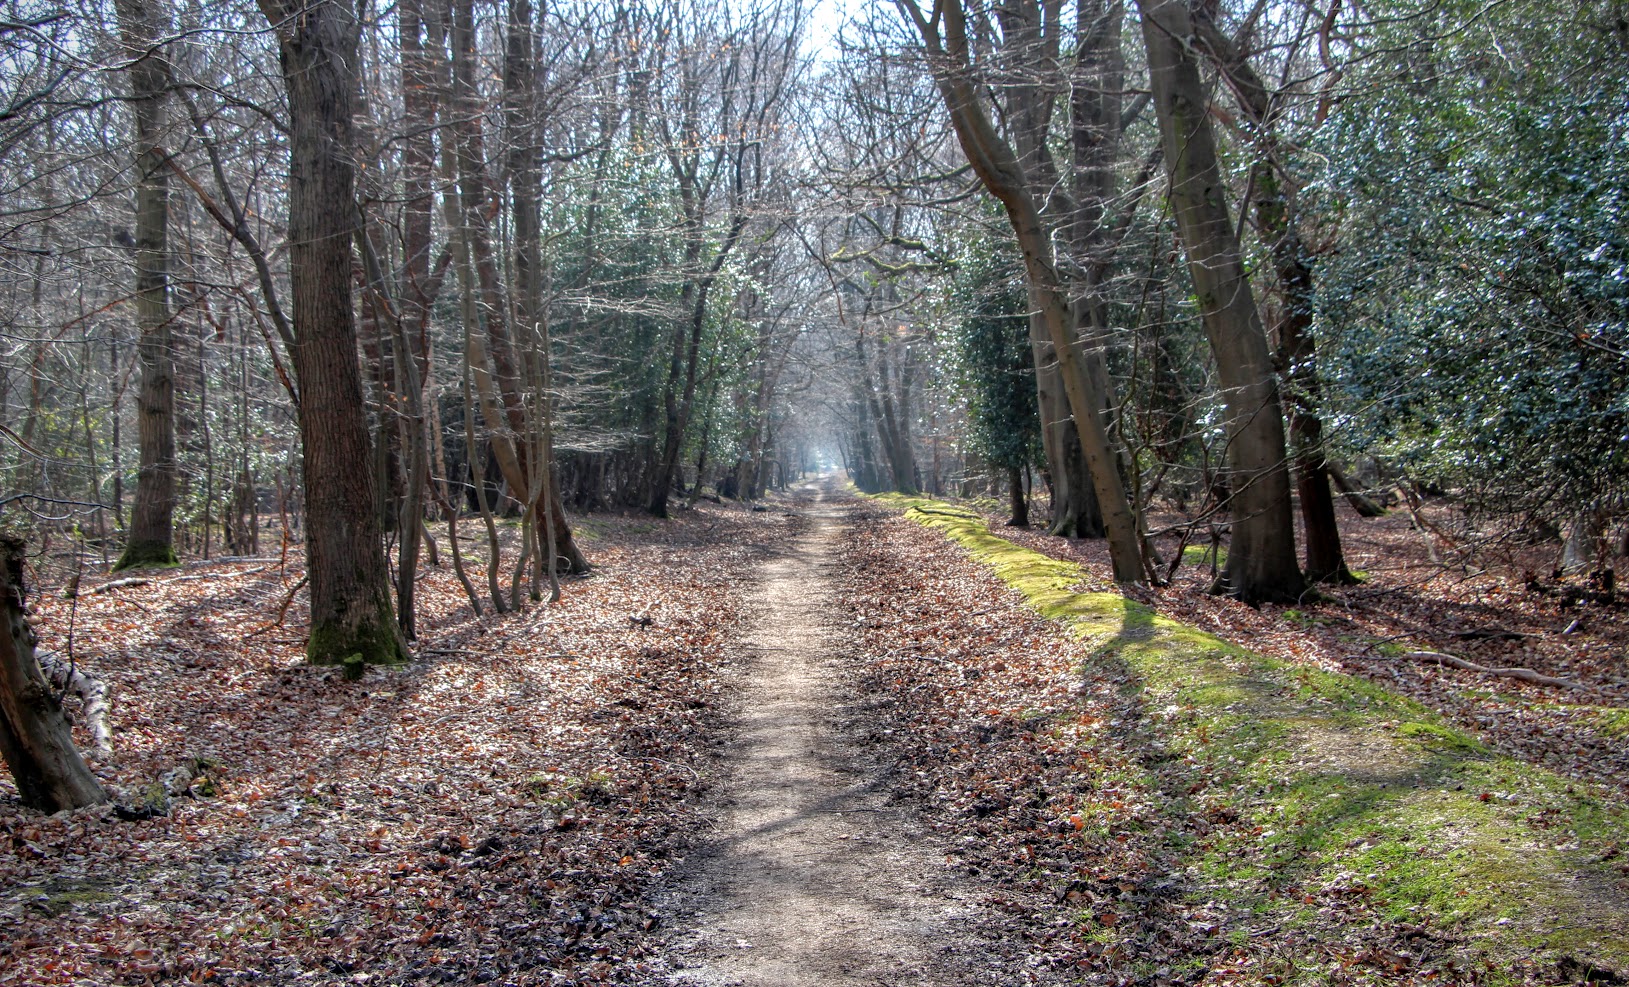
(492, 812)
(501, 810)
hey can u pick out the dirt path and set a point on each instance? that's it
(813, 878)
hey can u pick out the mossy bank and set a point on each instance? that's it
(1329, 782)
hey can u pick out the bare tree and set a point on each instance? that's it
(150, 538)
(351, 615)
(950, 58)
(1261, 562)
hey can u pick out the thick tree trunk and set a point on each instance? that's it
(150, 537)
(998, 168)
(351, 613)
(1298, 357)
(34, 735)
(1261, 562)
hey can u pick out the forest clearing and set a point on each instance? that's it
(814, 493)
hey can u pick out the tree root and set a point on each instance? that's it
(1521, 674)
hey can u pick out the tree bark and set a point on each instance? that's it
(521, 111)
(150, 537)
(1016, 498)
(351, 612)
(34, 735)
(1354, 496)
(998, 168)
(1075, 513)
(1297, 350)
(1261, 561)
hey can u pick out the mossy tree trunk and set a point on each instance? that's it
(150, 539)
(351, 613)
(34, 735)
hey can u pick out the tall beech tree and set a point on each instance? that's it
(351, 611)
(1278, 226)
(949, 54)
(1261, 562)
(143, 26)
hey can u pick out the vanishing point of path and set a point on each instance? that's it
(813, 877)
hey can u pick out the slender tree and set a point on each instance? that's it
(150, 538)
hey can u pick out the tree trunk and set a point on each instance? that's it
(1075, 513)
(993, 161)
(1016, 498)
(1585, 535)
(350, 593)
(1298, 357)
(150, 537)
(1359, 501)
(34, 735)
(1261, 562)
(521, 111)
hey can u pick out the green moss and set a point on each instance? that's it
(1200, 555)
(1441, 737)
(372, 642)
(59, 897)
(147, 553)
(1611, 721)
(1345, 788)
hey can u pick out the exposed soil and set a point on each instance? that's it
(814, 876)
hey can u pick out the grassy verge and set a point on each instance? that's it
(1331, 785)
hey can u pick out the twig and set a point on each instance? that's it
(486, 654)
(130, 582)
(282, 609)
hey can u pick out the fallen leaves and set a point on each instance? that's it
(398, 829)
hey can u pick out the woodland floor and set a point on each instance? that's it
(787, 746)
(1470, 604)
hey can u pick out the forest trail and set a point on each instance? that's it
(813, 878)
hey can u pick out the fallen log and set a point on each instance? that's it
(111, 585)
(92, 691)
(130, 582)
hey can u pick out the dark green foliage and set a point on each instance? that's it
(993, 362)
(1479, 295)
